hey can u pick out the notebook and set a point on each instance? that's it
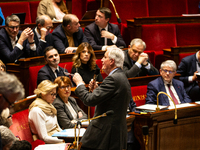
(21, 16)
(89, 15)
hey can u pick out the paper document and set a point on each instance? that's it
(69, 133)
(51, 147)
(181, 105)
(151, 107)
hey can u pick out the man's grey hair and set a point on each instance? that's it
(67, 19)
(6, 136)
(9, 84)
(138, 40)
(12, 18)
(169, 63)
(118, 55)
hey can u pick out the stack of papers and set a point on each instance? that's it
(69, 133)
(51, 147)
(182, 105)
(150, 107)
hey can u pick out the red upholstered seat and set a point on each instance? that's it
(167, 7)
(99, 64)
(188, 34)
(193, 6)
(81, 5)
(16, 7)
(181, 56)
(158, 37)
(139, 94)
(33, 10)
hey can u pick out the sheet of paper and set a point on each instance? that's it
(51, 147)
(69, 133)
(151, 107)
(182, 105)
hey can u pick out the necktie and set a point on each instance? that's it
(103, 39)
(57, 72)
(172, 95)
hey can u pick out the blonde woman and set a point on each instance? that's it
(43, 115)
(84, 62)
(55, 9)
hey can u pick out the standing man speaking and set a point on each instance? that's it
(110, 132)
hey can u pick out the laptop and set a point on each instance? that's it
(89, 15)
(21, 16)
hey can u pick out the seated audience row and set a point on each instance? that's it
(66, 37)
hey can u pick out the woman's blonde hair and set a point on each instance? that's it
(76, 58)
(62, 7)
(45, 87)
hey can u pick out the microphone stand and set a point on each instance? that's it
(118, 19)
(158, 109)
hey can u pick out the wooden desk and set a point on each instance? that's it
(135, 25)
(174, 52)
(164, 135)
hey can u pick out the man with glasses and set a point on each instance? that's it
(167, 84)
(68, 35)
(136, 62)
(14, 43)
(42, 36)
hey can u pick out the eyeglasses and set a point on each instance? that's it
(11, 104)
(10, 116)
(64, 87)
(170, 72)
(13, 27)
(53, 94)
(135, 51)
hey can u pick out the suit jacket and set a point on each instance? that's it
(40, 45)
(7, 53)
(186, 68)
(108, 132)
(157, 85)
(61, 41)
(45, 7)
(64, 116)
(94, 36)
(46, 73)
(133, 70)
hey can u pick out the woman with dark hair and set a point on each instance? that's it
(68, 111)
(84, 63)
(55, 9)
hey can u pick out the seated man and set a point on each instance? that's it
(136, 63)
(51, 70)
(167, 84)
(101, 34)
(68, 35)
(188, 68)
(42, 36)
(14, 43)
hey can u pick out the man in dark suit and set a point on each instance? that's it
(69, 35)
(42, 36)
(136, 62)
(14, 43)
(51, 70)
(101, 34)
(109, 132)
(188, 68)
(167, 84)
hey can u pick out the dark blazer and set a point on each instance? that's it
(108, 132)
(186, 68)
(61, 41)
(64, 116)
(133, 70)
(40, 45)
(46, 73)
(7, 53)
(94, 36)
(157, 85)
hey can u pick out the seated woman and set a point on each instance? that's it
(55, 9)
(43, 115)
(84, 62)
(68, 112)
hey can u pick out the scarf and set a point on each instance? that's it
(69, 38)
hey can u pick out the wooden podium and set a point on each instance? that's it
(164, 135)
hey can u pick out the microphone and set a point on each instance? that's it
(118, 19)
(145, 132)
(158, 109)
